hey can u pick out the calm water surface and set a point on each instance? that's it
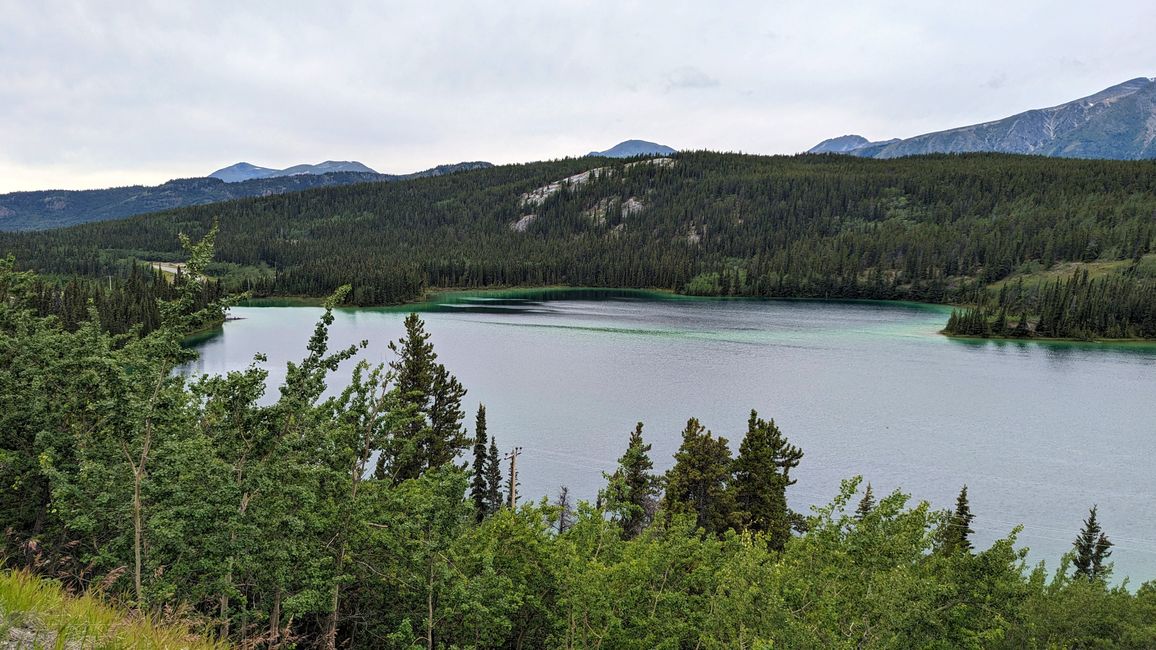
(1038, 432)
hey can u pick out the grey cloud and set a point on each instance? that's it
(103, 91)
(996, 82)
(689, 77)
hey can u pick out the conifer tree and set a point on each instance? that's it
(565, 510)
(698, 483)
(956, 530)
(866, 504)
(413, 375)
(478, 486)
(631, 492)
(1021, 328)
(429, 405)
(1000, 324)
(493, 478)
(444, 438)
(761, 477)
(1092, 547)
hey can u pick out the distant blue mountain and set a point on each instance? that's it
(1116, 123)
(244, 171)
(57, 208)
(631, 148)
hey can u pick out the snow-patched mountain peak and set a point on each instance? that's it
(1118, 122)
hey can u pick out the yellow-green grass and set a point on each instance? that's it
(38, 613)
(1065, 270)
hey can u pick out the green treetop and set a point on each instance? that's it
(478, 484)
(430, 398)
(632, 490)
(761, 477)
(698, 484)
(956, 530)
(1092, 548)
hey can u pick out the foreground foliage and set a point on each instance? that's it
(343, 520)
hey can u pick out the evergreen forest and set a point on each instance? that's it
(376, 518)
(951, 229)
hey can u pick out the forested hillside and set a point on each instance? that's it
(347, 521)
(931, 228)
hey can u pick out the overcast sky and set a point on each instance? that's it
(94, 94)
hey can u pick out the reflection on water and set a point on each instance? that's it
(1063, 351)
(1038, 431)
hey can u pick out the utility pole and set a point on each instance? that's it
(513, 456)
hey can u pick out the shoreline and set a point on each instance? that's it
(1047, 339)
(435, 297)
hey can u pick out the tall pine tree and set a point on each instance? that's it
(762, 473)
(1092, 548)
(444, 438)
(493, 478)
(955, 534)
(632, 490)
(478, 485)
(698, 484)
(429, 403)
(866, 504)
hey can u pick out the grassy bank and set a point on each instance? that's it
(37, 613)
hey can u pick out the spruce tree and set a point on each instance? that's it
(632, 490)
(444, 438)
(866, 504)
(956, 531)
(1000, 325)
(493, 478)
(429, 408)
(698, 484)
(1021, 328)
(478, 486)
(1092, 547)
(413, 370)
(761, 477)
(565, 510)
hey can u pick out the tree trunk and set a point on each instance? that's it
(138, 474)
(138, 535)
(275, 621)
(331, 627)
(429, 621)
(224, 617)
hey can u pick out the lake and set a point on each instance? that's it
(1039, 432)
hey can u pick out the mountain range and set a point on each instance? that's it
(1116, 123)
(57, 208)
(244, 171)
(38, 210)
